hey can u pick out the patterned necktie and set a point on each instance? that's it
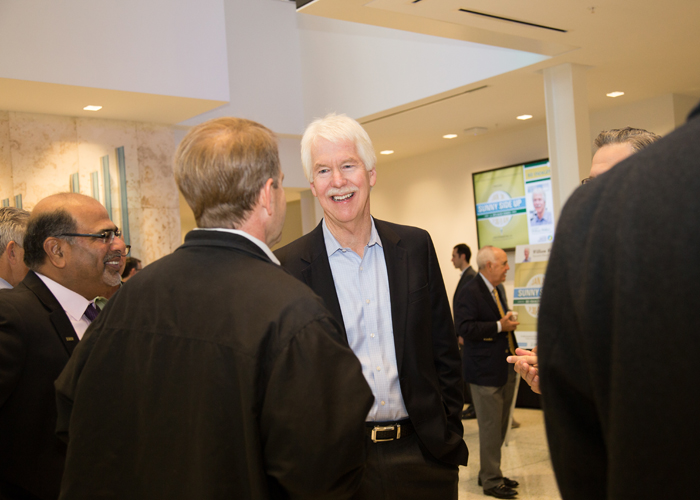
(91, 312)
(511, 339)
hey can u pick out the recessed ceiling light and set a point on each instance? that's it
(387, 152)
(92, 108)
(615, 94)
(449, 136)
(524, 117)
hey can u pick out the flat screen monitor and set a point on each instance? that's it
(514, 205)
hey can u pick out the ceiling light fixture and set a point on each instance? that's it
(615, 94)
(524, 117)
(92, 108)
(449, 136)
(387, 152)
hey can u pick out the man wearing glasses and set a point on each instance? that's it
(74, 253)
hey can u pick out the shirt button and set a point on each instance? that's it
(367, 301)
(383, 403)
(379, 368)
(361, 268)
(371, 335)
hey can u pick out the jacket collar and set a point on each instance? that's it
(59, 318)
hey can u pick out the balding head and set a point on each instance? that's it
(89, 264)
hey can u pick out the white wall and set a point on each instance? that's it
(155, 46)
(434, 191)
(264, 65)
(361, 69)
(661, 114)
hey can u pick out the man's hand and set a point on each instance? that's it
(507, 324)
(525, 363)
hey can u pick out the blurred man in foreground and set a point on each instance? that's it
(617, 353)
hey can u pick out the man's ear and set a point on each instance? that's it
(11, 251)
(266, 196)
(54, 248)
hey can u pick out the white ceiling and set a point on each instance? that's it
(644, 48)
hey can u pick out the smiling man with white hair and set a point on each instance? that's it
(382, 282)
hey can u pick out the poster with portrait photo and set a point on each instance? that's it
(540, 213)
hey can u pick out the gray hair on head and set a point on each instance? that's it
(638, 138)
(13, 225)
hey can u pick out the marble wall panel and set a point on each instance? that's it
(38, 154)
(156, 146)
(44, 153)
(6, 183)
(160, 233)
(136, 234)
(98, 138)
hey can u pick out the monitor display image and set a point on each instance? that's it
(514, 205)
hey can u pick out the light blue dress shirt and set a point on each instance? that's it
(362, 285)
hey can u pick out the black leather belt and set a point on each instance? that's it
(389, 431)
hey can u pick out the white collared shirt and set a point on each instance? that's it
(4, 284)
(72, 303)
(259, 243)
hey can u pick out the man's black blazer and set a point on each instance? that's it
(426, 348)
(36, 340)
(485, 350)
(465, 278)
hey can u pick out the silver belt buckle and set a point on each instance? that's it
(386, 428)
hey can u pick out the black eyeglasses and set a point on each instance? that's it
(106, 236)
(128, 251)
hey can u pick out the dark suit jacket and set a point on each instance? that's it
(36, 340)
(485, 350)
(617, 329)
(213, 374)
(465, 278)
(426, 348)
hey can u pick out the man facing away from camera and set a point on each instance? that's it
(215, 374)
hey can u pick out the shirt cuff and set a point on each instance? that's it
(498, 326)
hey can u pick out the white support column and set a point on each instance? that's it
(311, 211)
(568, 129)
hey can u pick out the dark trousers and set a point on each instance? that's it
(404, 470)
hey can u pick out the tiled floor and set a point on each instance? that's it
(525, 459)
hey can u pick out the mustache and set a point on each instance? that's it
(113, 256)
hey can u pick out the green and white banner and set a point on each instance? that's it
(513, 205)
(530, 267)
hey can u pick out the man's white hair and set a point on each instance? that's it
(486, 254)
(336, 128)
(539, 191)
